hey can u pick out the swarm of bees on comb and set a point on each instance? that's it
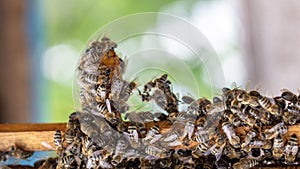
(240, 129)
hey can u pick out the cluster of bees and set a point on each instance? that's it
(239, 129)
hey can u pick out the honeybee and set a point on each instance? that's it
(199, 107)
(49, 163)
(266, 104)
(119, 151)
(187, 99)
(201, 149)
(291, 149)
(278, 129)
(257, 144)
(162, 84)
(19, 153)
(154, 151)
(204, 135)
(159, 98)
(209, 162)
(146, 116)
(232, 118)
(217, 106)
(57, 139)
(228, 129)
(290, 117)
(4, 156)
(217, 148)
(173, 138)
(231, 153)
(250, 98)
(121, 90)
(245, 163)
(260, 115)
(278, 147)
(250, 135)
(200, 123)
(153, 135)
(88, 129)
(247, 118)
(188, 129)
(290, 97)
(133, 136)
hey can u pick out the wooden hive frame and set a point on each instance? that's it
(36, 137)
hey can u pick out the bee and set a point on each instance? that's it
(86, 98)
(278, 147)
(119, 152)
(4, 156)
(177, 116)
(267, 105)
(159, 98)
(163, 163)
(19, 153)
(123, 90)
(217, 148)
(133, 136)
(231, 153)
(250, 135)
(260, 115)
(245, 163)
(133, 116)
(218, 106)
(232, 118)
(200, 123)
(228, 129)
(141, 128)
(68, 162)
(173, 138)
(247, 118)
(250, 98)
(257, 144)
(201, 148)
(154, 151)
(92, 79)
(49, 163)
(289, 118)
(278, 129)
(188, 129)
(187, 99)
(204, 135)
(199, 107)
(87, 145)
(146, 116)
(101, 92)
(153, 135)
(88, 129)
(291, 149)
(290, 97)
(209, 162)
(57, 139)
(162, 84)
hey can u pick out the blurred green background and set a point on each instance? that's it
(53, 34)
(72, 24)
(41, 42)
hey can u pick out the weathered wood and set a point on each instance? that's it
(30, 137)
(36, 137)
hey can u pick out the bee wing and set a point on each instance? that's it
(155, 138)
(284, 90)
(171, 137)
(108, 105)
(104, 164)
(174, 143)
(47, 145)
